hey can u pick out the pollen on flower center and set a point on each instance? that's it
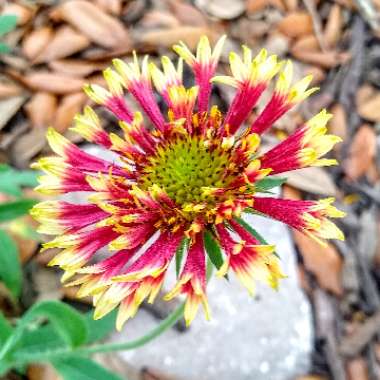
(184, 166)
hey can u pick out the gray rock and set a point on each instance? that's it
(267, 337)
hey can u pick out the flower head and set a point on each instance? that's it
(177, 177)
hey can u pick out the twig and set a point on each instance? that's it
(369, 13)
(317, 24)
(352, 345)
(326, 329)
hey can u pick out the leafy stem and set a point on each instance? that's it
(46, 356)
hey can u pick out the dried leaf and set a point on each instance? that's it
(9, 107)
(27, 146)
(318, 74)
(64, 43)
(326, 60)
(187, 14)
(324, 263)
(75, 67)
(296, 24)
(361, 153)
(110, 6)
(309, 43)
(41, 109)
(222, 9)
(166, 38)
(36, 41)
(42, 372)
(254, 6)
(357, 369)
(52, 82)
(369, 108)
(291, 5)
(23, 14)
(98, 26)
(69, 106)
(8, 90)
(157, 19)
(334, 26)
(313, 180)
(338, 123)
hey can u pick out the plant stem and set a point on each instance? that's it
(164, 325)
(168, 322)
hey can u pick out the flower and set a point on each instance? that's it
(192, 173)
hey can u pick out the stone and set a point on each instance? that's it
(268, 337)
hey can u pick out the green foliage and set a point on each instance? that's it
(76, 368)
(12, 180)
(251, 230)
(7, 24)
(15, 209)
(5, 329)
(213, 250)
(68, 323)
(10, 269)
(181, 250)
(268, 183)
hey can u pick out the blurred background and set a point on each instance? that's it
(324, 323)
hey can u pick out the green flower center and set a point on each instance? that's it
(184, 166)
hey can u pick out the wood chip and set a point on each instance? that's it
(98, 26)
(334, 26)
(69, 106)
(9, 107)
(27, 146)
(353, 344)
(187, 14)
(296, 24)
(41, 109)
(222, 9)
(313, 180)
(23, 13)
(110, 6)
(357, 369)
(338, 123)
(36, 41)
(166, 38)
(42, 372)
(75, 67)
(308, 42)
(8, 90)
(326, 60)
(52, 82)
(369, 108)
(65, 42)
(361, 153)
(324, 263)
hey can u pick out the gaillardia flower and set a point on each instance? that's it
(179, 179)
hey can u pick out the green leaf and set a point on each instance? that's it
(4, 48)
(251, 230)
(10, 268)
(76, 368)
(99, 329)
(5, 329)
(7, 23)
(269, 183)
(179, 254)
(13, 210)
(68, 322)
(213, 250)
(12, 180)
(41, 339)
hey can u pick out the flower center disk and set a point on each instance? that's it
(184, 166)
